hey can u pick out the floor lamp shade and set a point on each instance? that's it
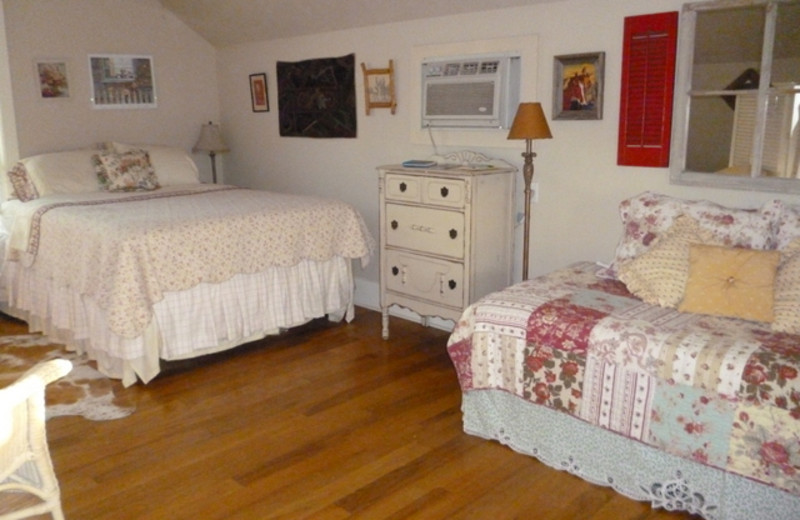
(210, 140)
(529, 124)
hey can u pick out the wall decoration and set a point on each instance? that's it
(259, 95)
(122, 81)
(317, 97)
(379, 88)
(52, 78)
(649, 53)
(578, 86)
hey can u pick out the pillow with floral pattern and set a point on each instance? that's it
(128, 171)
(649, 215)
(23, 186)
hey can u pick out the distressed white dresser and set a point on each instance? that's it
(447, 234)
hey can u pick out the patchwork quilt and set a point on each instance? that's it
(719, 391)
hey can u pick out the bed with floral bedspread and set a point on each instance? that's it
(690, 411)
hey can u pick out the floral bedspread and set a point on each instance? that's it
(720, 391)
(126, 250)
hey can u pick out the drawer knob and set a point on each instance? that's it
(451, 284)
(395, 270)
(403, 186)
(453, 233)
(444, 191)
(394, 224)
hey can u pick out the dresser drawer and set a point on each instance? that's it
(438, 281)
(428, 230)
(403, 187)
(444, 192)
(436, 191)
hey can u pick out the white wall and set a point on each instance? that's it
(184, 70)
(580, 183)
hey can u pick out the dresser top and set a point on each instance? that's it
(462, 163)
(455, 170)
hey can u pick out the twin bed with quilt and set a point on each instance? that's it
(124, 255)
(672, 376)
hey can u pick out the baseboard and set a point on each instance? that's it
(367, 295)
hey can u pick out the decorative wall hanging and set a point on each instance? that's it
(259, 95)
(317, 98)
(649, 47)
(578, 86)
(379, 88)
(122, 81)
(52, 78)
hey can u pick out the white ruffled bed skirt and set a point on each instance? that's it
(631, 468)
(205, 319)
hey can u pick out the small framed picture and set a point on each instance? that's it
(52, 78)
(379, 88)
(578, 86)
(258, 92)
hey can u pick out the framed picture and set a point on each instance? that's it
(122, 81)
(52, 79)
(379, 88)
(258, 92)
(578, 86)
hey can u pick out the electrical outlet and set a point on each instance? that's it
(535, 192)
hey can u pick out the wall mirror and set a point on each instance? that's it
(736, 120)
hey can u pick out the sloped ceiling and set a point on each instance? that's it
(229, 22)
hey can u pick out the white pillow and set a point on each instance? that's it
(172, 165)
(62, 172)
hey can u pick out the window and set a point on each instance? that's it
(737, 102)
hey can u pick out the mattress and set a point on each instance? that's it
(142, 286)
(720, 392)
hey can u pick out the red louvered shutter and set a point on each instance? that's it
(648, 76)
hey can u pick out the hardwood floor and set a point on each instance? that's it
(326, 421)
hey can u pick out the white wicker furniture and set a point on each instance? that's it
(25, 465)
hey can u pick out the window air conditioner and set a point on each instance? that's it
(470, 92)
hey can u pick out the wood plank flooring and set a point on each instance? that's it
(326, 421)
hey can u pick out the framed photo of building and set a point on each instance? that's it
(578, 86)
(259, 95)
(122, 81)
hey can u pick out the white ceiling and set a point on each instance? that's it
(228, 22)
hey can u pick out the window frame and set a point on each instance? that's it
(683, 94)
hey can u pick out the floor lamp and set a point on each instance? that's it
(529, 124)
(210, 141)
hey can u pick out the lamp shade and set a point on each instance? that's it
(530, 123)
(210, 140)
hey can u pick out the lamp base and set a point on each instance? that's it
(527, 176)
(213, 157)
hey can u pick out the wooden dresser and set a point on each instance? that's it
(447, 234)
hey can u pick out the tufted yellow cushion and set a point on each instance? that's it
(731, 282)
(787, 290)
(658, 275)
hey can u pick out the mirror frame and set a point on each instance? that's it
(681, 108)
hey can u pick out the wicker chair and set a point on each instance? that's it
(25, 465)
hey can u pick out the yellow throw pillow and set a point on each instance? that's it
(731, 282)
(787, 291)
(658, 276)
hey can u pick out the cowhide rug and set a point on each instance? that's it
(84, 391)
